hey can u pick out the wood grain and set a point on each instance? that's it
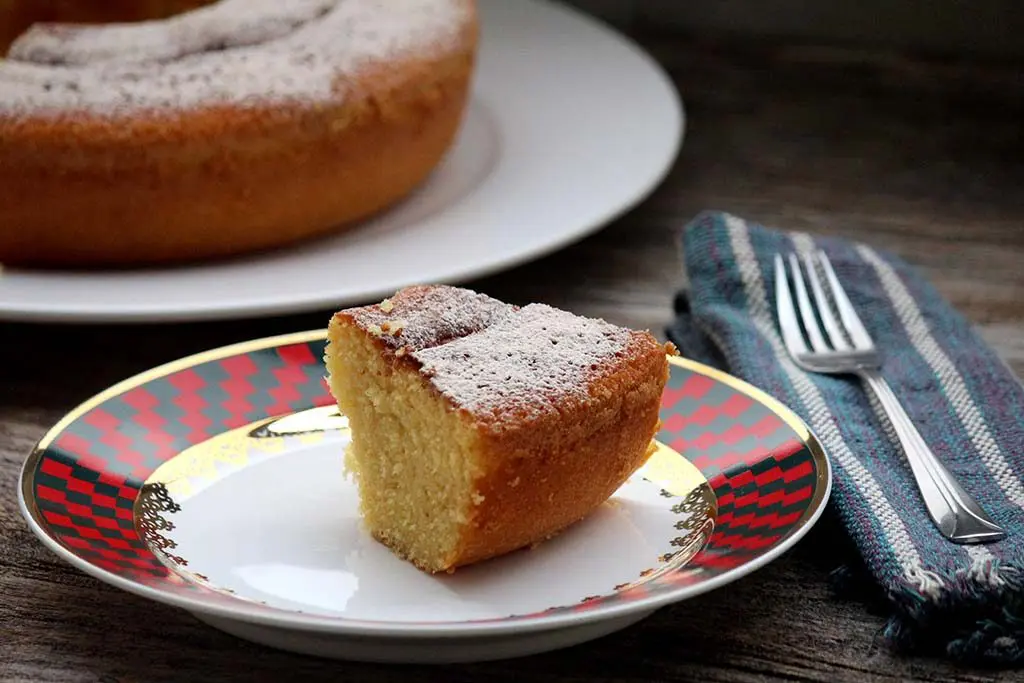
(916, 156)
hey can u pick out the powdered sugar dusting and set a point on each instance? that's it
(420, 317)
(225, 25)
(529, 361)
(231, 52)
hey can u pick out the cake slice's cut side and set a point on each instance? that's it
(412, 456)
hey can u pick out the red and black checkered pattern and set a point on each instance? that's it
(762, 472)
(91, 511)
(87, 480)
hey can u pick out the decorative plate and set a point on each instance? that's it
(552, 148)
(215, 484)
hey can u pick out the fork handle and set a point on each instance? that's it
(956, 514)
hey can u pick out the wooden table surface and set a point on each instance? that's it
(921, 157)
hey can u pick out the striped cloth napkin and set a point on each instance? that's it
(965, 601)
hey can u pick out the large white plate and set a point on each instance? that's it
(569, 125)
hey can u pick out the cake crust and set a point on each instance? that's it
(551, 471)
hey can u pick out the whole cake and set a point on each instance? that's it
(479, 427)
(235, 126)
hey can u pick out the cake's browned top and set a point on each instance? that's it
(233, 52)
(497, 361)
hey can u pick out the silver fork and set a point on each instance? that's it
(845, 347)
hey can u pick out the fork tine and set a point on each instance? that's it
(834, 332)
(806, 310)
(785, 312)
(858, 334)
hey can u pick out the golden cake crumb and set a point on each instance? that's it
(392, 328)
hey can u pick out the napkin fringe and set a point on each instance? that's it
(923, 624)
(996, 636)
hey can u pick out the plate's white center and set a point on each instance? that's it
(285, 530)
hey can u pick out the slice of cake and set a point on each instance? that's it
(479, 427)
